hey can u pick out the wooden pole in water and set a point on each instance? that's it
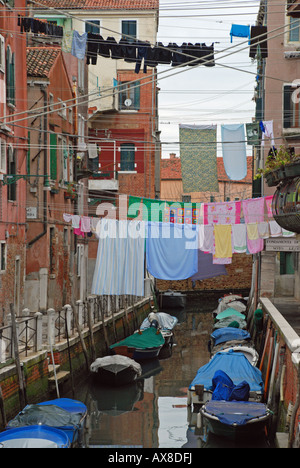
(268, 368)
(264, 351)
(22, 392)
(90, 322)
(4, 420)
(80, 335)
(103, 321)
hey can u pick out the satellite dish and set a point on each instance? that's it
(128, 102)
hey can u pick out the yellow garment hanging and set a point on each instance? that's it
(252, 231)
(223, 244)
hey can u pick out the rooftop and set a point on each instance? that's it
(99, 4)
(171, 169)
(40, 60)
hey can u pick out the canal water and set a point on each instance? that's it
(153, 412)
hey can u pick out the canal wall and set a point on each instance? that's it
(71, 349)
(279, 347)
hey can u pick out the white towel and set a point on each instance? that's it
(275, 229)
(206, 238)
(239, 239)
(75, 221)
(263, 230)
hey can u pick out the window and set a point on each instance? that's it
(10, 76)
(127, 157)
(92, 29)
(11, 171)
(129, 96)
(2, 256)
(62, 109)
(287, 263)
(52, 250)
(129, 30)
(51, 102)
(294, 30)
(2, 54)
(2, 156)
(71, 162)
(291, 108)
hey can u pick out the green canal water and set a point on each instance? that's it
(153, 413)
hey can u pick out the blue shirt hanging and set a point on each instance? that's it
(239, 30)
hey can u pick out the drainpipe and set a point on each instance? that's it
(39, 236)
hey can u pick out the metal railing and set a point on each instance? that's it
(36, 331)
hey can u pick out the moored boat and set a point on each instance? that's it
(235, 419)
(236, 366)
(165, 322)
(230, 312)
(247, 349)
(115, 370)
(145, 344)
(173, 300)
(36, 436)
(64, 414)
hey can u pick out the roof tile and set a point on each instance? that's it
(99, 4)
(40, 60)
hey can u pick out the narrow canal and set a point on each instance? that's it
(153, 413)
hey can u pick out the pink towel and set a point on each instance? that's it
(78, 231)
(269, 205)
(253, 209)
(222, 212)
(85, 224)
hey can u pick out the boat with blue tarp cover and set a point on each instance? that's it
(235, 419)
(65, 414)
(235, 339)
(37, 436)
(236, 366)
(228, 334)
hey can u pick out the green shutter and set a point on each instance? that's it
(28, 155)
(53, 156)
(137, 95)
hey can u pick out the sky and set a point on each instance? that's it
(206, 95)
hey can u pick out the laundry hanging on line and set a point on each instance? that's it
(39, 27)
(239, 30)
(234, 151)
(119, 268)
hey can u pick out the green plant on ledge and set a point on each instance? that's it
(71, 190)
(276, 160)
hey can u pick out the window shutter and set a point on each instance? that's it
(53, 156)
(28, 155)
(137, 95)
(287, 106)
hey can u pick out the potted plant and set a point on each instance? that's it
(71, 191)
(276, 166)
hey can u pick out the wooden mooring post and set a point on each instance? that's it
(22, 389)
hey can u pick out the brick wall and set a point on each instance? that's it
(239, 274)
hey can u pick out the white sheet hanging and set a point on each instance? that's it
(119, 266)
